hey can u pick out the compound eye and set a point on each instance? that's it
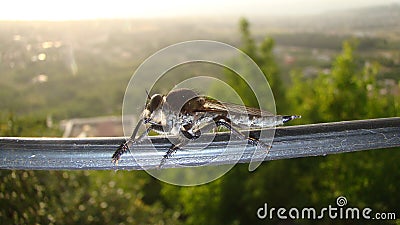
(154, 103)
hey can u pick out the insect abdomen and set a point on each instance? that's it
(260, 122)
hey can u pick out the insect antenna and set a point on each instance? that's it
(148, 95)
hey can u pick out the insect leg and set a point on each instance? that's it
(189, 135)
(174, 147)
(251, 140)
(225, 122)
(171, 151)
(124, 147)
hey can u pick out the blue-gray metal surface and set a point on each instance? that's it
(289, 142)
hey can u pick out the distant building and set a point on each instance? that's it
(106, 126)
(289, 59)
(389, 86)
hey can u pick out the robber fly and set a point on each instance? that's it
(185, 114)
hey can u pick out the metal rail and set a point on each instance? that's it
(289, 142)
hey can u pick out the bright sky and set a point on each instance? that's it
(85, 9)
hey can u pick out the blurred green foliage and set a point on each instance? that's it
(263, 56)
(85, 197)
(350, 90)
(27, 126)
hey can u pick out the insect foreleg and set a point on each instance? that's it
(124, 147)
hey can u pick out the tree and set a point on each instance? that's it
(248, 43)
(271, 70)
(264, 57)
(350, 91)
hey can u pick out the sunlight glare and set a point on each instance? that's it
(106, 9)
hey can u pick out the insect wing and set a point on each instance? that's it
(211, 105)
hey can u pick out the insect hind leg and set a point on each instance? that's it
(253, 141)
